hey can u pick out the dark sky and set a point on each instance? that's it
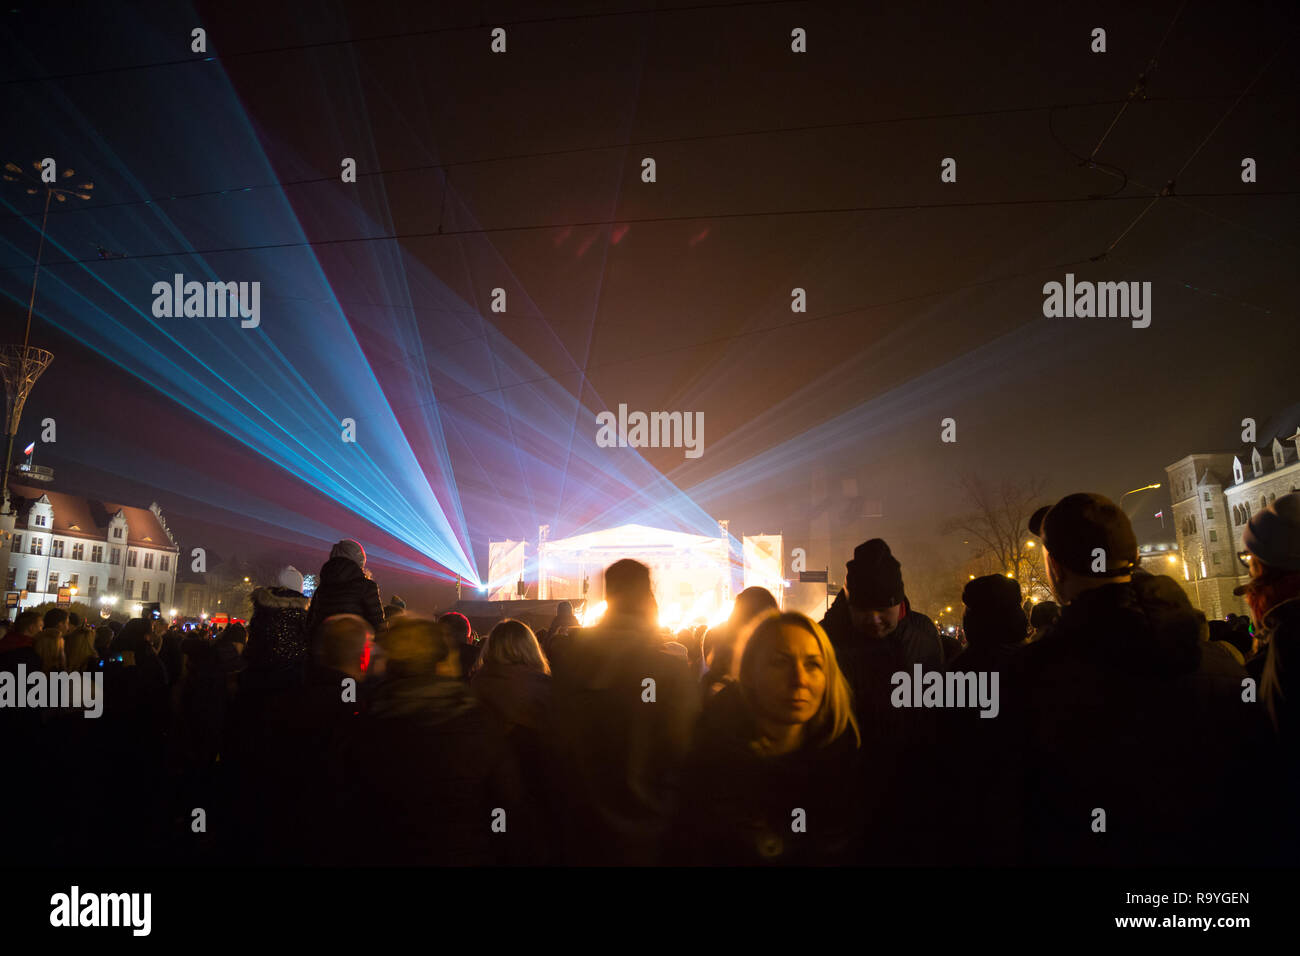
(775, 170)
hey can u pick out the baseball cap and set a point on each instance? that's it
(1079, 526)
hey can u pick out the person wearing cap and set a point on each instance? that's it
(346, 588)
(994, 622)
(1128, 709)
(1271, 553)
(875, 635)
(277, 631)
(870, 618)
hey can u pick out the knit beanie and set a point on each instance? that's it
(875, 578)
(291, 578)
(1273, 535)
(352, 550)
(993, 611)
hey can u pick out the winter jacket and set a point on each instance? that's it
(423, 779)
(740, 808)
(620, 755)
(900, 746)
(1278, 690)
(277, 632)
(1126, 709)
(345, 589)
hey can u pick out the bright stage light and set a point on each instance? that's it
(591, 616)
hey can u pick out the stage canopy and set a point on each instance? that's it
(690, 573)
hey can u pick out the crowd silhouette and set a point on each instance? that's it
(339, 730)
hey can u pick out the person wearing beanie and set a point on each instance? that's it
(394, 607)
(1124, 702)
(994, 623)
(876, 635)
(277, 631)
(1272, 556)
(346, 588)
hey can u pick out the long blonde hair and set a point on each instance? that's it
(835, 715)
(49, 648)
(79, 649)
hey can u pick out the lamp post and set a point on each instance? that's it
(21, 367)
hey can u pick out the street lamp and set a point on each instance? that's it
(20, 368)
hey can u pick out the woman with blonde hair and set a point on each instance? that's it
(773, 776)
(49, 648)
(79, 647)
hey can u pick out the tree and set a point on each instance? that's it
(995, 524)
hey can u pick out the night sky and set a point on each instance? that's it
(775, 170)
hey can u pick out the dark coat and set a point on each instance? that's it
(1129, 709)
(900, 746)
(620, 756)
(277, 752)
(421, 778)
(345, 589)
(277, 632)
(738, 808)
(1278, 690)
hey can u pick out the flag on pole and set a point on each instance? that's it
(1158, 514)
(29, 449)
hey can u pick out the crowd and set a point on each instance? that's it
(1126, 729)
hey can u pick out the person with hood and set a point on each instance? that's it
(782, 737)
(1041, 618)
(345, 587)
(1136, 734)
(623, 706)
(1271, 553)
(278, 643)
(426, 778)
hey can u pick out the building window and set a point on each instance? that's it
(40, 521)
(1209, 514)
(97, 553)
(130, 588)
(116, 557)
(73, 579)
(162, 592)
(13, 578)
(54, 581)
(31, 580)
(144, 589)
(56, 548)
(1215, 557)
(112, 584)
(1207, 496)
(130, 559)
(94, 586)
(117, 533)
(17, 544)
(78, 552)
(1214, 536)
(165, 563)
(148, 560)
(36, 545)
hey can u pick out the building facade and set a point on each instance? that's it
(99, 548)
(1214, 495)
